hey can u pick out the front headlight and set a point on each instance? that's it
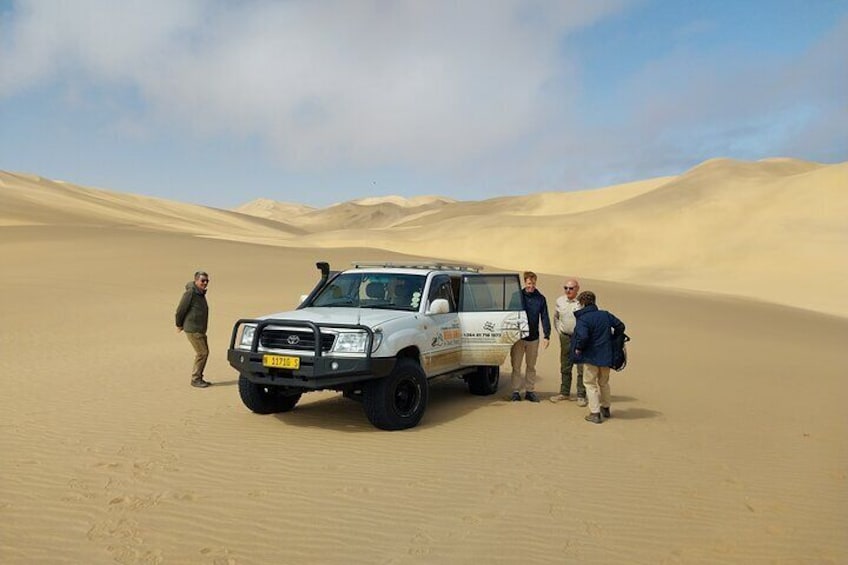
(351, 342)
(246, 340)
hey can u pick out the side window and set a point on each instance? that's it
(440, 287)
(405, 291)
(490, 293)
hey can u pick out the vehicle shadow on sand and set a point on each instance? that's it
(448, 400)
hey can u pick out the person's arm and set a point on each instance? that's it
(182, 309)
(617, 325)
(546, 319)
(578, 339)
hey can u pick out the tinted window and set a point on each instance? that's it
(441, 288)
(490, 293)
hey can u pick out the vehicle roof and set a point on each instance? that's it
(412, 267)
(402, 270)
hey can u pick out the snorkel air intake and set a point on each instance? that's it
(324, 267)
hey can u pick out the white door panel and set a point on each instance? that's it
(442, 353)
(492, 317)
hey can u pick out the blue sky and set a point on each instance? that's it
(218, 103)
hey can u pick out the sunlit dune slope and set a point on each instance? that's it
(273, 210)
(739, 228)
(33, 200)
(374, 212)
(725, 226)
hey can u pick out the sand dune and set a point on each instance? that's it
(727, 442)
(363, 213)
(273, 210)
(730, 227)
(724, 227)
(33, 200)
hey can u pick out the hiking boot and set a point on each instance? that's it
(559, 398)
(581, 401)
(200, 383)
(594, 417)
(531, 396)
(605, 412)
(516, 397)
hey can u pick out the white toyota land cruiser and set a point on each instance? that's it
(380, 332)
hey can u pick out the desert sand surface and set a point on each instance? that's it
(727, 442)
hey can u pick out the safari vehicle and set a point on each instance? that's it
(380, 332)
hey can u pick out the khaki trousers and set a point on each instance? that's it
(201, 349)
(520, 349)
(596, 380)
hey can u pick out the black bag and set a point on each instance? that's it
(619, 350)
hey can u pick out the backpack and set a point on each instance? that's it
(619, 351)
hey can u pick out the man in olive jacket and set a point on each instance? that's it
(193, 318)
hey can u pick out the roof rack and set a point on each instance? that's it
(423, 265)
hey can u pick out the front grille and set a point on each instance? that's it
(303, 340)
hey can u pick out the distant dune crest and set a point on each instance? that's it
(402, 201)
(267, 208)
(726, 226)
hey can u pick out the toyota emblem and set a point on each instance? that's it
(293, 339)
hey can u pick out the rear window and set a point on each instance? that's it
(490, 293)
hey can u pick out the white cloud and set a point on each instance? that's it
(687, 106)
(357, 83)
(478, 90)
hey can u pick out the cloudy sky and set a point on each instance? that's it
(220, 102)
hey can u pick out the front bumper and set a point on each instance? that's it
(318, 369)
(315, 373)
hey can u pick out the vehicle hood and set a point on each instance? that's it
(366, 316)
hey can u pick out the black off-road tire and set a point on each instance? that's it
(398, 401)
(484, 381)
(263, 399)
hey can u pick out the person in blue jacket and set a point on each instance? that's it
(592, 345)
(536, 307)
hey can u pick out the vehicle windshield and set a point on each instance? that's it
(372, 290)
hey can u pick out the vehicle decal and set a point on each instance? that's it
(447, 337)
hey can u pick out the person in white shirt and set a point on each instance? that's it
(564, 322)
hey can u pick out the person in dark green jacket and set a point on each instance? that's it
(192, 317)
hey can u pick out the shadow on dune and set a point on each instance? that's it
(633, 413)
(449, 400)
(617, 399)
(225, 383)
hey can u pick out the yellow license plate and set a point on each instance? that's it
(281, 361)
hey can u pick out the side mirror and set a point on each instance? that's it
(439, 306)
